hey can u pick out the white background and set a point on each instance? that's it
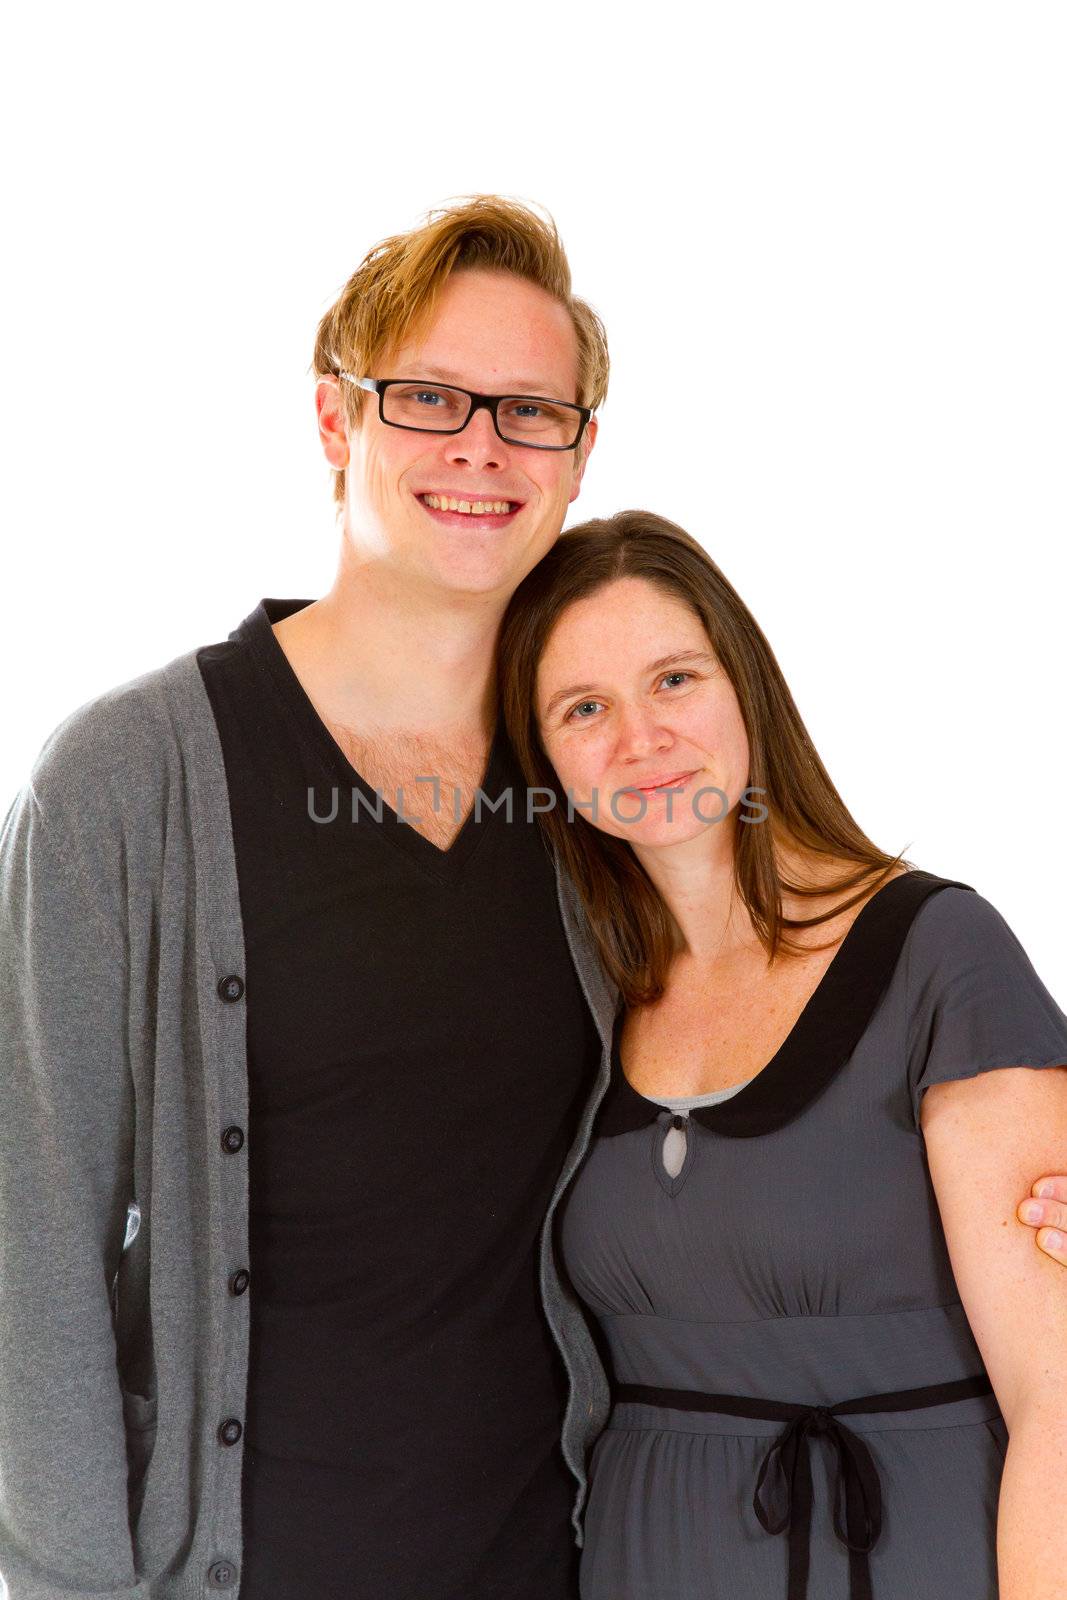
(829, 244)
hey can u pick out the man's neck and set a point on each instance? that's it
(377, 659)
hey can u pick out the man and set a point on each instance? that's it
(329, 1373)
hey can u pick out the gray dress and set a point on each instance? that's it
(797, 1256)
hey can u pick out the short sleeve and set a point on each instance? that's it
(974, 1000)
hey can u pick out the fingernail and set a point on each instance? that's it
(1045, 1190)
(1053, 1240)
(1032, 1212)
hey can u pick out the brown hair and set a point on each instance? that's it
(630, 920)
(391, 296)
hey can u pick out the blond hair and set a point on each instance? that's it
(391, 296)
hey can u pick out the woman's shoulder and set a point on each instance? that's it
(954, 924)
(975, 1000)
(822, 881)
(948, 914)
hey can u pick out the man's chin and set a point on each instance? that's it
(475, 578)
(486, 568)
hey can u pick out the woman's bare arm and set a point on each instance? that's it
(984, 1136)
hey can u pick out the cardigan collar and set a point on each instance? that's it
(823, 1037)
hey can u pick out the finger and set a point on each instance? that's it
(1043, 1214)
(1053, 1242)
(1050, 1188)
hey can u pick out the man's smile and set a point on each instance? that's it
(456, 511)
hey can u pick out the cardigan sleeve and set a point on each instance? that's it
(66, 1146)
(975, 1002)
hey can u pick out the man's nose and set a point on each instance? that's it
(478, 445)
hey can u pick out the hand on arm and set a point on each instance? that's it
(1045, 1209)
(983, 1136)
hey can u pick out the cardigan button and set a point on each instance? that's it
(222, 1575)
(231, 987)
(232, 1140)
(239, 1281)
(230, 1431)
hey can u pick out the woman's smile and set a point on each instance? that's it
(654, 785)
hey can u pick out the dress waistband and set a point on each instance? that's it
(855, 1478)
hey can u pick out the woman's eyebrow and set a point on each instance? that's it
(653, 666)
(680, 655)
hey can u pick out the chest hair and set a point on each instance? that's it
(390, 762)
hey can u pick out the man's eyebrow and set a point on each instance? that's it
(533, 386)
(653, 666)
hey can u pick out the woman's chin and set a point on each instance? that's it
(655, 833)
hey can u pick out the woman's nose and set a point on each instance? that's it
(641, 731)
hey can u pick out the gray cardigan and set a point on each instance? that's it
(123, 1085)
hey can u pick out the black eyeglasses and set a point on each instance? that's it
(529, 419)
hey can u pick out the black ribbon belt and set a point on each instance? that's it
(856, 1477)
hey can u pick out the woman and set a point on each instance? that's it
(804, 1043)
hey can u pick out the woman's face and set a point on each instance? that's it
(632, 703)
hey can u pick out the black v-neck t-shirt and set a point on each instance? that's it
(419, 1052)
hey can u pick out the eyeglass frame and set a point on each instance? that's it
(489, 402)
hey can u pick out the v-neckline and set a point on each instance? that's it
(821, 1040)
(320, 742)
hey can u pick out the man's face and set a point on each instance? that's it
(497, 334)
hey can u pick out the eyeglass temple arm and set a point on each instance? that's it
(362, 383)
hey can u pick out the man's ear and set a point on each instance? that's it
(331, 413)
(582, 454)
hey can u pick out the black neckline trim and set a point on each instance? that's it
(822, 1038)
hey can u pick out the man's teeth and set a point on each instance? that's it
(474, 508)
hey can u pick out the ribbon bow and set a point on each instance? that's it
(856, 1475)
(855, 1479)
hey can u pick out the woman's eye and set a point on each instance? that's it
(682, 675)
(580, 706)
